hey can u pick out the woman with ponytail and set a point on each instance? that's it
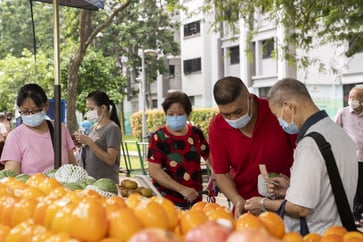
(102, 145)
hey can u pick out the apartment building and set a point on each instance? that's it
(207, 56)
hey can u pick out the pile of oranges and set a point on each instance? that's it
(41, 209)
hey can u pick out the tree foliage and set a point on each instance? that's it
(308, 23)
(15, 72)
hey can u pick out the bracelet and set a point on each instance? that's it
(262, 204)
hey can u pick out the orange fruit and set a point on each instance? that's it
(199, 205)
(353, 239)
(4, 231)
(191, 219)
(57, 192)
(336, 229)
(273, 223)
(249, 221)
(29, 192)
(7, 206)
(152, 214)
(113, 203)
(40, 210)
(331, 238)
(312, 237)
(89, 215)
(292, 237)
(133, 200)
(170, 209)
(110, 240)
(209, 207)
(222, 213)
(353, 234)
(23, 210)
(119, 228)
(62, 220)
(51, 208)
(22, 232)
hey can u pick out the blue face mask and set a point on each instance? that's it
(33, 120)
(176, 123)
(288, 128)
(241, 121)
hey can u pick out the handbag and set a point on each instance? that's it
(340, 196)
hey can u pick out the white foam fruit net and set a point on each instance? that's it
(70, 173)
(101, 192)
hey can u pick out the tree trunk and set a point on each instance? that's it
(85, 38)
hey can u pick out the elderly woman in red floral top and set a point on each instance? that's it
(175, 152)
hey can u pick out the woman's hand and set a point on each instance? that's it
(189, 194)
(278, 185)
(80, 138)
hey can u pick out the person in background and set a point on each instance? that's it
(28, 148)
(102, 144)
(175, 152)
(243, 135)
(3, 130)
(8, 121)
(351, 120)
(309, 192)
(86, 125)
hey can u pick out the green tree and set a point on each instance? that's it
(16, 27)
(15, 72)
(307, 22)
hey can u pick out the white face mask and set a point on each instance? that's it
(353, 103)
(93, 116)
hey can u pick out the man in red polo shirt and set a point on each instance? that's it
(243, 135)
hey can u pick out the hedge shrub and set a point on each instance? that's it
(200, 117)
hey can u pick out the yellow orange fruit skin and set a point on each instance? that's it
(4, 231)
(191, 219)
(249, 221)
(312, 237)
(292, 237)
(170, 210)
(353, 234)
(89, 215)
(273, 223)
(119, 228)
(152, 214)
(336, 229)
(332, 238)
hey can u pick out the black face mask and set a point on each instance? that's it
(8, 118)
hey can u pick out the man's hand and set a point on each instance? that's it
(254, 205)
(278, 185)
(238, 207)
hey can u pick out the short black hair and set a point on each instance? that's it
(34, 92)
(177, 97)
(228, 89)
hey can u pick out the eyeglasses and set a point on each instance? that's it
(30, 112)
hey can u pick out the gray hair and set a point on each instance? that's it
(286, 89)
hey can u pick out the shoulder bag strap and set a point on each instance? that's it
(336, 182)
(51, 131)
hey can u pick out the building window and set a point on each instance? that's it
(154, 103)
(171, 71)
(192, 28)
(234, 55)
(262, 91)
(268, 47)
(192, 65)
(192, 101)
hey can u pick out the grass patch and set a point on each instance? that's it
(129, 142)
